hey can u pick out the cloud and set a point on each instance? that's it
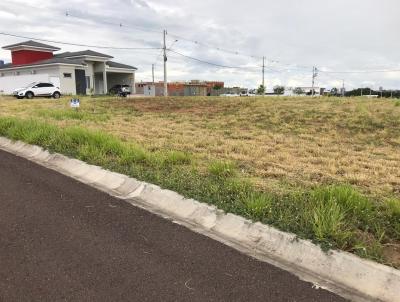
(293, 35)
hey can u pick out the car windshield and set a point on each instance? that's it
(31, 85)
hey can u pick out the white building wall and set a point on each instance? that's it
(89, 72)
(67, 84)
(9, 83)
(10, 80)
(149, 90)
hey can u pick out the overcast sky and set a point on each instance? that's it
(294, 35)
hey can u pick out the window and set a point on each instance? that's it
(67, 75)
(88, 82)
(41, 85)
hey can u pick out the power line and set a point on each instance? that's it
(179, 37)
(78, 44)
(211, 63)
(162, 50)
(144, 29)
(362, 71)
(215, 47)
(290, 66)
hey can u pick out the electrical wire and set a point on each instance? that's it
(162, 50)
(290, 67)
(361, 71)
(179, 37)
(215, 47)
(211, 63)
(77, 44)
(144, 29)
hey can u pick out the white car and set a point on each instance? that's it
(37, 89)
(229, 94)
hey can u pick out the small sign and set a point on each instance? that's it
(75, 103)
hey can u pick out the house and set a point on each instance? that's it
(81, 72)
(291, 91)
(192, 88)
(195, 88)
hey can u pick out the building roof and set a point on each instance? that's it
(32, 44)
(44, 62)
(83, 53)
(119, 65)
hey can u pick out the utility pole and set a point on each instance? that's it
(152, 72)
(314, 76)
(165, 65)
(263, 74)
(343, 89)
(361, 91)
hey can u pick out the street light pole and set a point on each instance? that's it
(165, 65)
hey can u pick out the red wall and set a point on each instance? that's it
(21, 57)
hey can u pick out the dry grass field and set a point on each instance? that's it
(279, 145)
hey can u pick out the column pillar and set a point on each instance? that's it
(105, 88)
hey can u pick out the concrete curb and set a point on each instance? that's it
(346, 274)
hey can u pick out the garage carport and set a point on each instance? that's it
(117, 74)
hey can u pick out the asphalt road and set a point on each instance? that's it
(61, 240)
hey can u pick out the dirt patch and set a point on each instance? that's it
(391, 252)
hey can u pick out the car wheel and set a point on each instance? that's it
(29, 95)
(56, 95)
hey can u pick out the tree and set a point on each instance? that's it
(261, 89)
(217, 87)
(279, 89)
(298, 91)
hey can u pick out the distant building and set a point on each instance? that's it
(290, 91)
(233, 90)
(195, 88)
(192, 88)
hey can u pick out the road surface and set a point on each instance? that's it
(61, 240)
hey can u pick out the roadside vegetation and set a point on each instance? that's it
(325, 169)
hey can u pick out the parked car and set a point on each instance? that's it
(229, 94)
(122, 90)
(37, 89)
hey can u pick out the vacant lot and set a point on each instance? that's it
(327, 169)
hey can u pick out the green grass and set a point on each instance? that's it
(68, 114)
(222, 169)
(335, 216)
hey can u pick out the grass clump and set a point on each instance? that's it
(329, 224)
(351, 203)
(177, 158)
(258, 205)
(222, 169)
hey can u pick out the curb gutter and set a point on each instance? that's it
(340, 272)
